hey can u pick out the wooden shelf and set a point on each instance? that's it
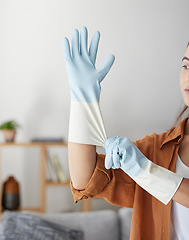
(33, 144)
(85, 205)
(58, 183)
(36, 210)
(30, 210)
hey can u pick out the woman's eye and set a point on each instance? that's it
(185, 66)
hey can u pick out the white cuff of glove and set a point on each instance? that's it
(86, 124)
(158, 181)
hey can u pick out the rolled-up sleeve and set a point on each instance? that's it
(113, 185)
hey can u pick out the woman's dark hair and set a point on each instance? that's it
(179, 118)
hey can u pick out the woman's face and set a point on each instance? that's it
(184, 77)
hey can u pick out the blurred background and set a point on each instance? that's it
(140, 95)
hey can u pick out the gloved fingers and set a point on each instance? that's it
(75, 43)
(108, 160)
(94, 46)
(104, 69)
(83, 41)
(116, 158)
(123, 159)
(66, 49)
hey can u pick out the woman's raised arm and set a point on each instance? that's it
(86, 128)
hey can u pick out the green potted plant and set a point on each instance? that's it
(9, 130)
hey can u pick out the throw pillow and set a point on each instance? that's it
(25, 226)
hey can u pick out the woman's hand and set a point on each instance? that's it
(83, 76)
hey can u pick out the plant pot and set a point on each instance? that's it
(9, 135)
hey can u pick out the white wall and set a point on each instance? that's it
(140, 95)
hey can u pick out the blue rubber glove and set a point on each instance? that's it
(84, 78)
(122, 153)
(158, 181)
(86, 124)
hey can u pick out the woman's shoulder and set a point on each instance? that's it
(153, 138)
(158, 140)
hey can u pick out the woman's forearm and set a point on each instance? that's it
(182, 194)
(82, 161)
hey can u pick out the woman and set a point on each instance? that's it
(90, 178)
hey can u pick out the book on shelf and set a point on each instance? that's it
(51, 174)
(59, 169)
(55, 171)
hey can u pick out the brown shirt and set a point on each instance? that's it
(151, 218)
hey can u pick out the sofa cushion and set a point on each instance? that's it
(18, 226)
(101, 225)
(125, 216)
